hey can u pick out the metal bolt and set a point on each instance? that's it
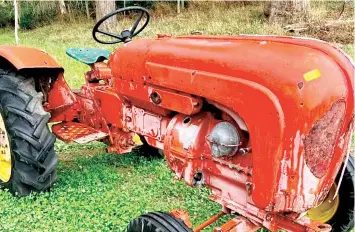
(156, 98)
(268, 217)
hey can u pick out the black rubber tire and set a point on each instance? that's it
(343, 220)
(157, 222)
(33, 158)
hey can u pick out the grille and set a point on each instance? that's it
(320, 142)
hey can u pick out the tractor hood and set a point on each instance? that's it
(289, 92)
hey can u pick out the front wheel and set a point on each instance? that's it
(27, 158)
(338, 211)
(157, 221)
(343, 220)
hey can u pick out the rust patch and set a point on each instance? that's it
(320, 142)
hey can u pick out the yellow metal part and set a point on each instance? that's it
(312, 75)
(137, 140)
(327, 209)
(5, 153)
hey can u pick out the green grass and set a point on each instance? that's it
(102, 192)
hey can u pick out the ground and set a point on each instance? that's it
(97, 191)
(102, 192)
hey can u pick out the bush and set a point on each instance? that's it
(145, 4)
(6, 14)
(35, 14)
(38, 13)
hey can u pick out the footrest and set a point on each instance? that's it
(77, 132)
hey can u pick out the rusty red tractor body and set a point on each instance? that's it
(264, 121)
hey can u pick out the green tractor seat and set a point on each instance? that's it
(88, 55)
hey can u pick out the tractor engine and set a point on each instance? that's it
(266, 131)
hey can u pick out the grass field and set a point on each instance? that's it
(97, 191)
(101, 192)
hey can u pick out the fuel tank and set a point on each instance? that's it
(294, 96)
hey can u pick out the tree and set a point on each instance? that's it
(16, 21)
(292, 11)
(87, 9)
(62, 8)
(180, 5)
(103, 8)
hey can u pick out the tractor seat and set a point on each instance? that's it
(88, 55)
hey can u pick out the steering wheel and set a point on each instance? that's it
(126, 35)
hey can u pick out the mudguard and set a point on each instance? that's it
(60, 96)
(28, 58)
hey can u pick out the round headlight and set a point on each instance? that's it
(224, 139)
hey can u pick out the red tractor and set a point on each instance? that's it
(264, 121)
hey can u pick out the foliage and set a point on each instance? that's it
(35, 14)
(38, 13)
(32, 14)
(7, 14)
(145, 4)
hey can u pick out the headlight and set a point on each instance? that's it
(224, 139)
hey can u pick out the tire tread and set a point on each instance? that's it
(32, 143)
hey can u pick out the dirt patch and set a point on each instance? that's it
(332, 31)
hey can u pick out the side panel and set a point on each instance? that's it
(253, 95)
(24, 57)
(60, 100)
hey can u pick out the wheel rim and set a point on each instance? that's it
(5, 153)
(327, 209)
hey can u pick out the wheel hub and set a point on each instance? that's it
(327, 209)
(5, 153)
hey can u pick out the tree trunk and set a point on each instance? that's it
(287, 11)
(16, 21)
(178, 6)
(301, 7)
(103, 8)
(87, 9)
(62, 8)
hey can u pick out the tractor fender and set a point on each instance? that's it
(60, 96)
(28, 58)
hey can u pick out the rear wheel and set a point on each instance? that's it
(338, 212)
(157, 221)
(27, 158)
